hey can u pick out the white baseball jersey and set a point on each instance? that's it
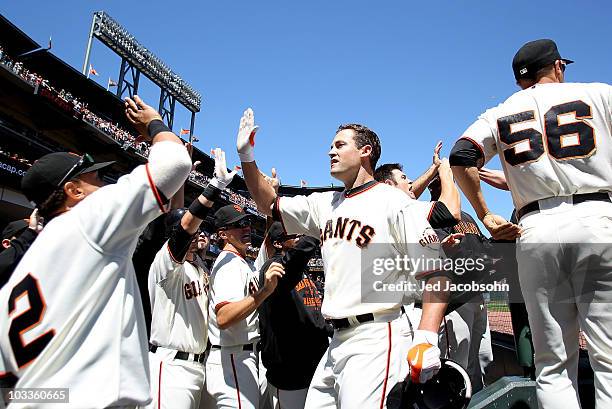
(232, 279)
(179, 304)
(371, 223)
(71, 314)
(553, 140)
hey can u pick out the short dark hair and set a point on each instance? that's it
(365, 136)
(385, 171)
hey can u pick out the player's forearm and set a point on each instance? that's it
(469, 182)
(449, 194)
(421, 183)
(262, 193)
(495, 178)
(434, 304)
(234, 312)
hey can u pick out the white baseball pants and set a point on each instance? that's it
(175, 383)
(568, 287)
(361, 366)
(233, 378)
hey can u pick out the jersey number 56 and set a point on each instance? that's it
(567, 140)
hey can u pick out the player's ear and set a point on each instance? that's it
(389, 182)
(74, 191)
(366, 150)
(6, 243)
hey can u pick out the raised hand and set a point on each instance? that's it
(140, 114)
(246, 136)
(222, 177)
(273, 180)
(436, 155)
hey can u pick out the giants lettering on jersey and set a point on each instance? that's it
(428, 237)
(193, 289)
(348, 229)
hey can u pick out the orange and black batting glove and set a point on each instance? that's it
(423, 356)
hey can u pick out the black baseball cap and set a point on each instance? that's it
(276, 233)
(53, 170)
(533, 56)
(230, 215)
(14, 229)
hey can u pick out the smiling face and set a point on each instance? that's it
(402, 182)
(238, 237)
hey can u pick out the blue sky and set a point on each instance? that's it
(415, 72)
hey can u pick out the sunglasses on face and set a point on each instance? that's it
(240, 224)
(84, 162)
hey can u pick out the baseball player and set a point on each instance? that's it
(465, 336)
(233, 368)
(554, 142)
(445, 211)
(393, 174)
(367, 222)
(178, 289)
(71, 315)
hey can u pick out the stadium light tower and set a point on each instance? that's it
(137, 59)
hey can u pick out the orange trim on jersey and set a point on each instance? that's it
(433, 204)
(159, 386)
(276, 213)
(236, 381)
(384, 392)
(219, 305)
(172, 255)
(158, 198)
(236, 253)
(484, 157)
(359, 191)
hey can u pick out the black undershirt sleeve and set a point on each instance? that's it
(179, 242)
(440, 217)
(465, 153)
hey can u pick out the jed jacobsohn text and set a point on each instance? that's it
(412, 286)
(459, 266)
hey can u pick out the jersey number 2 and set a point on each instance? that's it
(567, 140)
(27, 352)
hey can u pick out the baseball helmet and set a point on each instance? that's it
(450, 388)
(172, 220)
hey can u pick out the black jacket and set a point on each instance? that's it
(294, 334)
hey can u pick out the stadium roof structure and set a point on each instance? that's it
(62, 75)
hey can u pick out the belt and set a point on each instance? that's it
(185, 356)
(245, 347)
(579, 198)
(344, 323)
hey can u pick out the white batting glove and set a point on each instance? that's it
(222, 176)
(423, 356)
(246, 136)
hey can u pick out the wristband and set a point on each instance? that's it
(211, 192)
(156, 126)
(198, 210)
(247, 157)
